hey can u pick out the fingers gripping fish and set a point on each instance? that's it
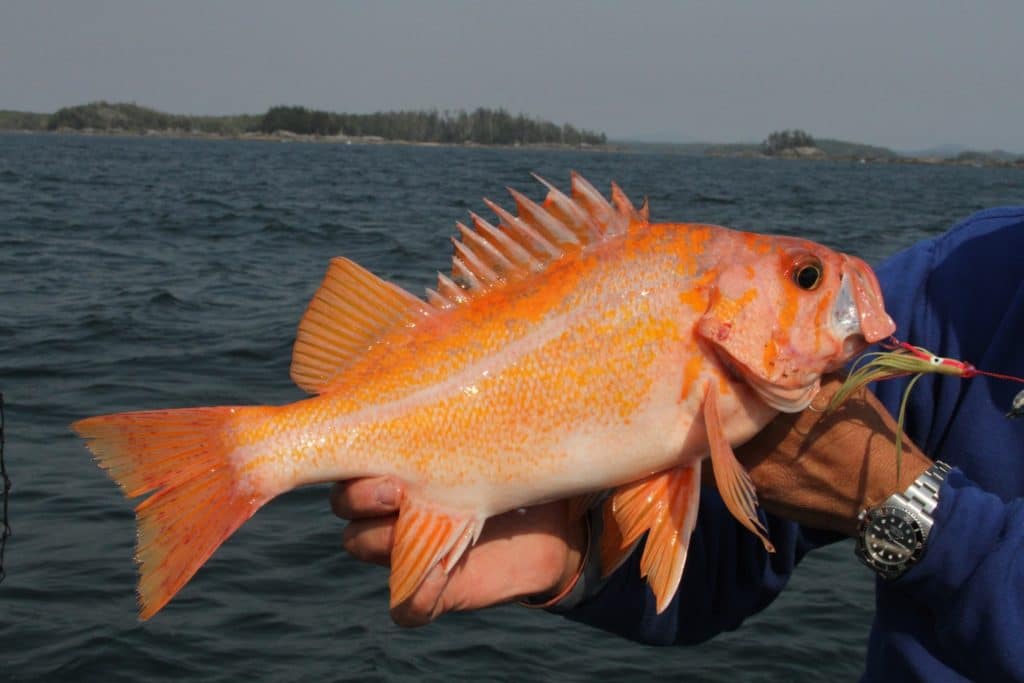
(575, 347)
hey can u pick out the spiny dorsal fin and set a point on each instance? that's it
(352, 309)
(527, 242)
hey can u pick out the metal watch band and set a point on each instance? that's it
(922, 496)
(903, 520)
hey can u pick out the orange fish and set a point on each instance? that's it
(577, 348)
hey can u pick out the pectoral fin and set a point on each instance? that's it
(665, 504)
(733, 482)
(614, 547)
(425, 536)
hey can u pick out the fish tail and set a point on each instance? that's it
(183, 459)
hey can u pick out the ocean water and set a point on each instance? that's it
(139, 273)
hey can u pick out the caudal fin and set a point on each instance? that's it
(181, 458)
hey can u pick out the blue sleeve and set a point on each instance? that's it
(960, 611)
(961, 608)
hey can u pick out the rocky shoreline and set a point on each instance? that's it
(818, 154)
(288, 136)
(716, 151)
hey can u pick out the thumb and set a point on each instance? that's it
(425, 604)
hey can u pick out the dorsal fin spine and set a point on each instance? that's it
(537, 215)
(622, 203)
(585, 194)
(546, 250)
(510, 247)
(474, 262)
(487, 252)
(449, 289)
(571, 213)
(437, 300)
(463, 273)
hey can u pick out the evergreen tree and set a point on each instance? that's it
(786, 139)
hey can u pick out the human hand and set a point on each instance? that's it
(533, 552)
(822, 469)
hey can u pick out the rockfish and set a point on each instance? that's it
(576, 348)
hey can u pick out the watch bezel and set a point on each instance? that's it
(871, 526)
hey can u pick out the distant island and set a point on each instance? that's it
(481, 126)
(798, 144)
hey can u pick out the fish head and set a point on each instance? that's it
(783, 311)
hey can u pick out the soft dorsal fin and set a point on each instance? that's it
(352, 309)
(537, 235)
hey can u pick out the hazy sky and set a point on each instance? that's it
(907, 74)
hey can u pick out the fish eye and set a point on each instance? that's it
(807, 273)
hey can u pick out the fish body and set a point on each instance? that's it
(579, 348)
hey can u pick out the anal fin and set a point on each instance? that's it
(733, 482)
(425, 536)
(665, 504)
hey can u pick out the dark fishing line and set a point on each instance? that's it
(7, 488)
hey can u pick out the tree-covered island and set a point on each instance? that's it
(481, 126)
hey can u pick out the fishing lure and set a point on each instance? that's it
(902, 359)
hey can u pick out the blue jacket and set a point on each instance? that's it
(960, 611)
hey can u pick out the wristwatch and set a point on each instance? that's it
(891, 537)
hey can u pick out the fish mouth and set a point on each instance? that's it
(784, 400)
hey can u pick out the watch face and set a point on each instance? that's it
(891, 537)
